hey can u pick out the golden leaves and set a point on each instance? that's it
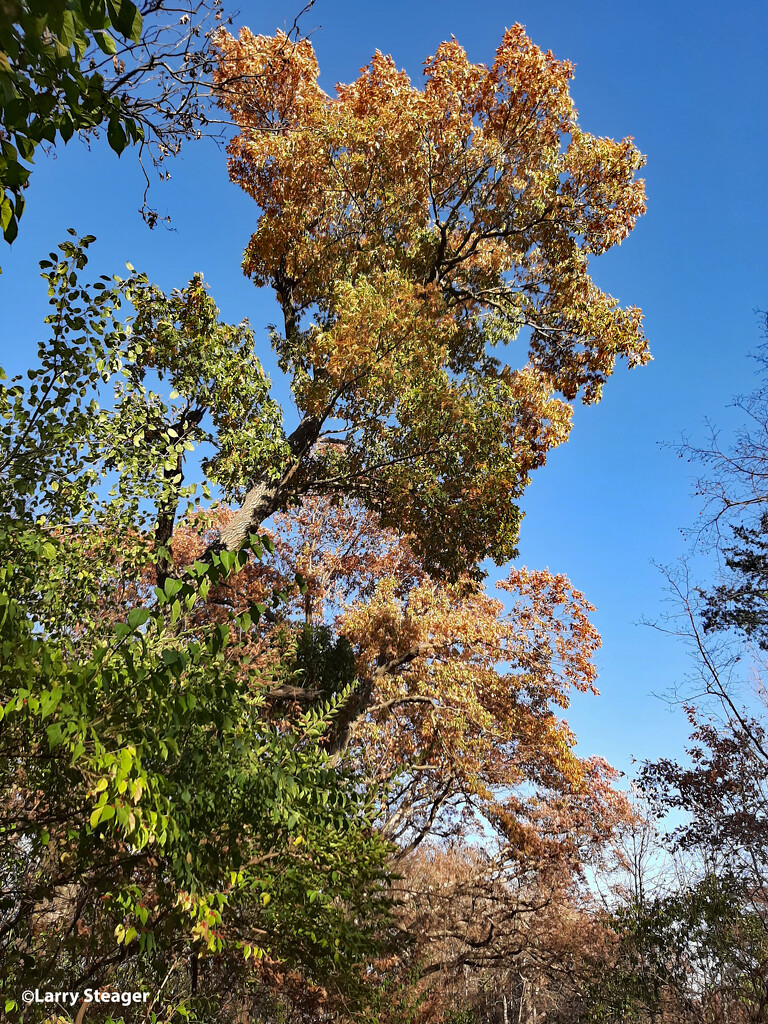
(482, 183)
(601, 188)
(269, 81)
(407, 232)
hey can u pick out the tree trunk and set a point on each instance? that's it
(267, 496)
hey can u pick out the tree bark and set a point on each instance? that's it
(267, 496)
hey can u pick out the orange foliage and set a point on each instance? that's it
(482, 186)
(458, 692)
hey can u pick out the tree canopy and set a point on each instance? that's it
(410, 235)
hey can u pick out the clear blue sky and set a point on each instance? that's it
(687, 81)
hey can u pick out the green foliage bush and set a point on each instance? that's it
(154, 815)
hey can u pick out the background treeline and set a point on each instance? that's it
(271, 748)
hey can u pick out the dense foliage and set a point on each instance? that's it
(285, 757)
(408, 235)
(152, 809)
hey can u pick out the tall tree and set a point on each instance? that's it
(406, 235)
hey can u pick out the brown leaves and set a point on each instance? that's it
(459, 691)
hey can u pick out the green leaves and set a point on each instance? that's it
(105, 42)
(137, 617)
(213, 367)
(126, 18)
(123, 711)
(101, 814)
(48, 701)
(160, 742)
(47, 89)
(172, 587)
(115, 134)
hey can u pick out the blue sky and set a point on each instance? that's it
(687, 81)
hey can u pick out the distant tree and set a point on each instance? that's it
(740, 600)
(693, 955)
(734, 486)
(726, 628)
(709, 936)
(492, 940)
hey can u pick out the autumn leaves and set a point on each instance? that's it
(409, 236)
